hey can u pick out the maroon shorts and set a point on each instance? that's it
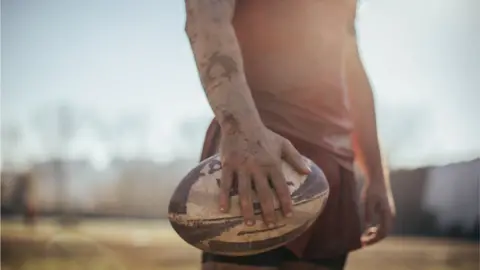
(338, 229)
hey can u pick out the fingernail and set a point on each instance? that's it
(288, 215)
(271, 225)
(249, 222)
(222, 209)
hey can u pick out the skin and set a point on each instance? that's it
(249, 150)
(377, 195)
(252, 152)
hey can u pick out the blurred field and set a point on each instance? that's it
(127, 244)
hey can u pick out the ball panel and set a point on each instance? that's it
(178, 201)
(197, 232)
(232, 233)
(243, 233)
(311, 187)
(254, 247)
(203, 195)
(196, 198)
(197, 213)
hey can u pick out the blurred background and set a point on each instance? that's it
(102, 113)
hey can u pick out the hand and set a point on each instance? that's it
(379, 205)
(256, 156)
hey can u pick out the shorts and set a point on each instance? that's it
(275, 258)
(337, 231)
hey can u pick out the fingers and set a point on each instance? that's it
(374, 234)
(283, 193)
(293, 157)
(245, 196)
(225, 187)
(266, 198)
(369, 237)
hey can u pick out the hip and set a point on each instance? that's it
(325, 238)
(324, 150)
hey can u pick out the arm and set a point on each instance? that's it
(377, 197)
(248, 149)
(220, 65)
(365, 137)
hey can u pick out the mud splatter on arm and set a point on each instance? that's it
(219, 63)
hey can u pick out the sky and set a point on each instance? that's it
(125, 71)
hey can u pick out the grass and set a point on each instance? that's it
(152, 245)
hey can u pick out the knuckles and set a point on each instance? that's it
(250, 163)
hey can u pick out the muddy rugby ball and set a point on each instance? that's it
(194, 214)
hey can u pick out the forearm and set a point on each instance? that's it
(220, 65)
(365, 138)
(367, 149)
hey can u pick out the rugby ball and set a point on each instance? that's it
(195, 216)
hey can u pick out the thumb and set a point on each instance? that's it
(293, 157)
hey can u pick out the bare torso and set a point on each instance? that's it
(292, 44)
(293, 60)
(278, 69)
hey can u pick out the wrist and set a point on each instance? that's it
(239, 123)
(376, 175)
(377, 182)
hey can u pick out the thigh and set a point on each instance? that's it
(269, 260)
(230, 266)
(291, 262)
